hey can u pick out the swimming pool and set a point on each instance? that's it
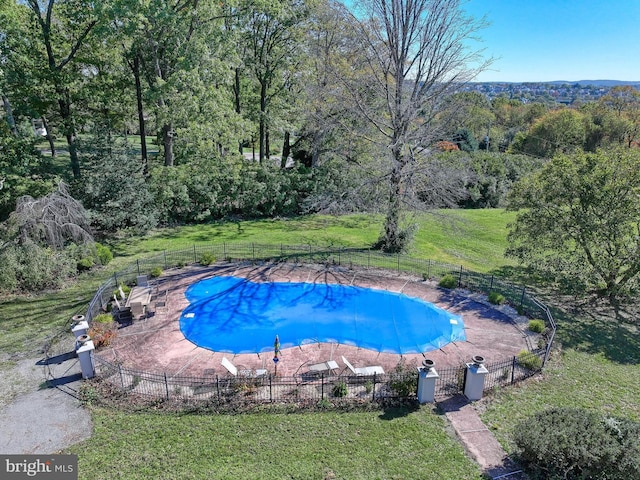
(236, 315)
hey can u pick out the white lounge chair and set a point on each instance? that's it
(233, 370)
(330, 365)
(363, 370)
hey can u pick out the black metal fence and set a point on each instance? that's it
(302, 388)
(281, 389)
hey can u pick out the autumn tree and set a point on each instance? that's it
(416, 52)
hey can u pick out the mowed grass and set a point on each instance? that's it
(395, 444)
(475, 239)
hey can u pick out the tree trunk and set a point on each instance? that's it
(286, 149)
(64, 104)
(236, 91)
(167, 142)
(141, 122)
(263, 113)
(52, 145)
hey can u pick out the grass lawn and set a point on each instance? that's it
(475, 239)
(400, 444)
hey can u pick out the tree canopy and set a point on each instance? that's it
(579, 220)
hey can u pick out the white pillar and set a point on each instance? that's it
(80, 329)
(427, 385)
(474, 383)
(85, 354)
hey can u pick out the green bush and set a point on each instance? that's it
(529, 360)
(126, 289)
(155, 272)
(536, 325)
(31, 268)
(448, 281)
(207, 258)
(103, 318)
(496, 298)
(573, 443)
(85, 263)
(339, 389)
(404, 380)
(103, 253)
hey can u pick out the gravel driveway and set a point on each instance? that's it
(39, 409)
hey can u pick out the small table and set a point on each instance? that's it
(140, 295)
(331, 365)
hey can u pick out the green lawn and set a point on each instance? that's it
(475, 239)
(400, 444)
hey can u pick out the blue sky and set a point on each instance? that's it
(546, 40)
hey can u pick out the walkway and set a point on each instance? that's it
(478, 439)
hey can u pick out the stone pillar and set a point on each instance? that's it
(474, 383)
(427, 382)
(85, 350)
(80, 329)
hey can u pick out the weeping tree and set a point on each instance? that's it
(415, 53)
(42, 240)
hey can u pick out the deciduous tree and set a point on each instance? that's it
(416, 51)
(579, 219)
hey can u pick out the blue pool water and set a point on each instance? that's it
(235, 315)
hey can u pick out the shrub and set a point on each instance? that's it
(207, 258)
(529, 360)
(103, 253)
(404, 380)
(125, 288)
(103, 318)
(85, 263)
(155, 272)
(536, 325)
(339, 389)
(496, 298)
(448, 281)
(573, 443)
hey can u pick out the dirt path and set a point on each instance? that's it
(39, 409)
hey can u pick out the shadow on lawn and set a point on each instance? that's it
(391, 413)
(596, 328)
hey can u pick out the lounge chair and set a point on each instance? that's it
(123, 297)
(363, 370)
(233, 370)
(329, 365)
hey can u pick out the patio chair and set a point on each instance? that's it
(363, 370)
(233, 370)
(123, 297)
(329, 365)
(122, 314)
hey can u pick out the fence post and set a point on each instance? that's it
(322, 387)
(121, 376)
(270, 390)
(513, 370)
(115, 279)
(224, 250)
(460, 277)
(522, 296)
(398, 263)
(253, 251)
(218, 386)
(491, 284)
(166, 385)
(165, 260)
(373, 392)
(369, 259)
(138, 265)
(429, 268)
(194, 253)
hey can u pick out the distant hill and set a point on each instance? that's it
(595, 83)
